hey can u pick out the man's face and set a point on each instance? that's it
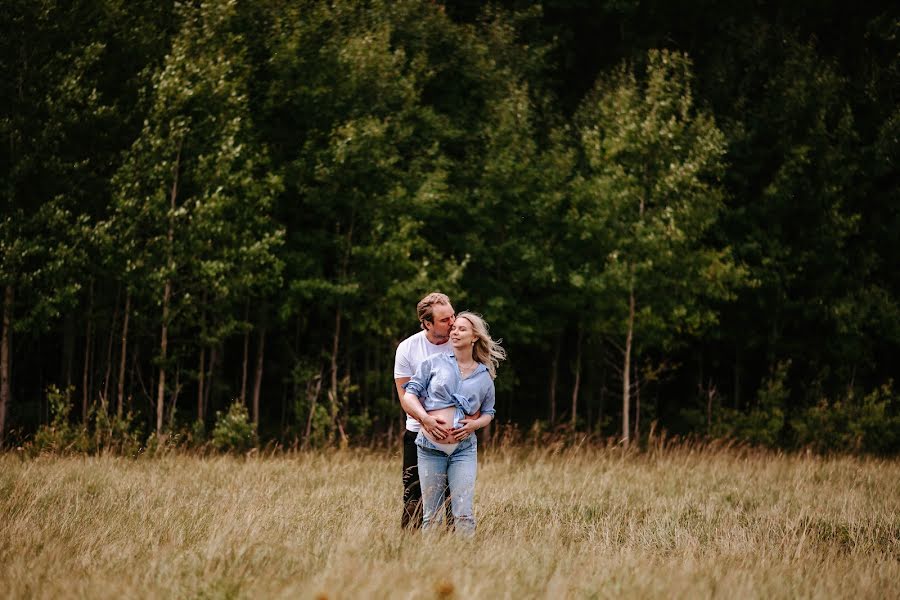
(438, 330)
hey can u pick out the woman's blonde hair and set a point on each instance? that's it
(486, 350)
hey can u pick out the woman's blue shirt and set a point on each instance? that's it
(439, 384)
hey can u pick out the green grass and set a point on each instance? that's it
(681, 523)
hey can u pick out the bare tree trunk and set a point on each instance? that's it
(333, 391)
(246, 357)
(173, 400)
(210, 377)
(637, 406)
(120, 396)
(134, 374)
(626, 370)
(68, 350)
(109, 347)
(85, 391)
(167, 294)
(5, 358)
(163, 348)
(201, 379)
(257, 380)
(201, 370)
(711, 393)
(577, 385)
(312, 395)
(554, 375)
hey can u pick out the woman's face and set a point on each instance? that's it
(461, 334)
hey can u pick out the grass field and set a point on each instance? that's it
(683, 523)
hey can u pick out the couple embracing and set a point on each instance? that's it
(445, 379)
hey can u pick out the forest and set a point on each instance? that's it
(218, 217)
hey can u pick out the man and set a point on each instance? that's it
(435, 318)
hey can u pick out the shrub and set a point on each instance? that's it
(234, 431)
(871, 425)
(60, 435)
(764, 422)
(115, 433)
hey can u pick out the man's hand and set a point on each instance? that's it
(435, 427)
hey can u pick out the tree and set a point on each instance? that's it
(193, 207)
(648, 193)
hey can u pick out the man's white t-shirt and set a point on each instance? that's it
(410, 354)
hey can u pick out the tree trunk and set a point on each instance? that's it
(163, 348)
(5, 359)
(68, 350)
(120, 396)
(173, 400)
(312, 395)
(167, 294)
(201, 379)
(134, 374)
(109, 348)
(201, 369)
(85, 374)
(626, 370)
(577, 385)
(637, 406)
(246, 357)
(554, 374)
(333, 391)
(210, 377)
(257, 380)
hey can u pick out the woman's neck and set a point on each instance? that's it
(463, 356)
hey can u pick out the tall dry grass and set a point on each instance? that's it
(679, 523)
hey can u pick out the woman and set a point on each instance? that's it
(445, 389)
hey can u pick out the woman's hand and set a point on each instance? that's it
(435, 427)
(467, 427)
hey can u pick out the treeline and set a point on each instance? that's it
(682, 219)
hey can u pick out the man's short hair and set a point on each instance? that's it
(425, 307)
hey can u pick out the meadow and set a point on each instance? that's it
(681, 522)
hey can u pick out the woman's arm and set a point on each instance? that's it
(479, 419)
(433, 425)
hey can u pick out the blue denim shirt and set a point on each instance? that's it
(439, 384)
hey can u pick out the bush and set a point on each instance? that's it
(765, 421)
(233, 431)
(60, 435)
(115, 433)
(872, 425)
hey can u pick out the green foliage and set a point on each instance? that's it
(359, 426)
(851, 425)
(764, 423)
(648, 193)
(60, 436)
(102, 433)
(310, 169)
(111, 433)
(234, 432)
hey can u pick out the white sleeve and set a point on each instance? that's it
(402, 367)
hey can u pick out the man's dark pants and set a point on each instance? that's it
(412, 490)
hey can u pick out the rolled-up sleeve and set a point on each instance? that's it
(418, 383)
(487, 405)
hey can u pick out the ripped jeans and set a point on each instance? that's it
(438, 472)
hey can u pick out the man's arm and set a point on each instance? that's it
(413, 407)
(400, 381)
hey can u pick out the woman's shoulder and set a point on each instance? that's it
(439, 359)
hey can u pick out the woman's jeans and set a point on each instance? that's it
(439, 471)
